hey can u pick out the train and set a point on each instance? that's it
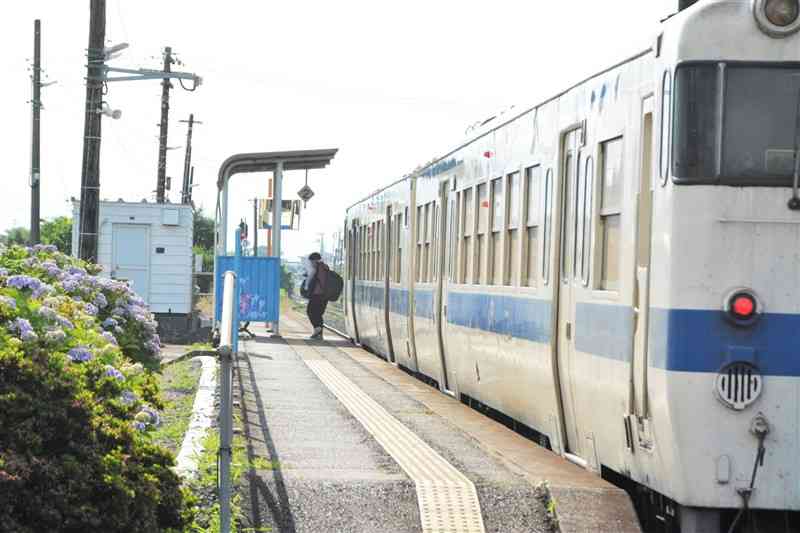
(616, 270)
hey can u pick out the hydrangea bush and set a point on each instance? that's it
(76, 402)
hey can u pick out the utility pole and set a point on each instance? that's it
(166, 85)
(191, 186)
(187, 162)
(90, 176)
(255, 227)
(35, 130)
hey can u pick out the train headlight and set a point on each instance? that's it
(781, 12)
(777, 18)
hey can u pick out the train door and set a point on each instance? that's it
(388, 249)
(642, 273)
(447, 224)
(565, 345)
(352, 258)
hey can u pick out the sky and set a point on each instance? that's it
(391, 85)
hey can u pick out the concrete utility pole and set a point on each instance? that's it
(90, 176)
(35, 129)
(166, 85)
(191, 186)
(186, 195)
(255, 227)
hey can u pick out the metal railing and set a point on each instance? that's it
(228, 349)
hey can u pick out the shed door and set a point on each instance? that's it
(131, 257)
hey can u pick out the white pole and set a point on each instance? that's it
(277, 211)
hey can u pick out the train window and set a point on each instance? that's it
(420, 232)
(379, 252)
(468, 227)
(481, 242)
(496, 253)
(666, 122)
(531, 214)
(371, 247)
(578, 203)
(405, 217)
(469, 212)
(452, 238)
(497, 204)
(430, 244)
(512, 267)
(610, 209)
(398, 261)
(588, 188)
(548, 215)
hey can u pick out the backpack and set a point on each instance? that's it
(333, 286)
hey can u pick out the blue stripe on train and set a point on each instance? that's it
(688, 340)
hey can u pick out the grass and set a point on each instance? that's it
(178, 383)
(205, 485)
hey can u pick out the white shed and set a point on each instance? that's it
(150, 245)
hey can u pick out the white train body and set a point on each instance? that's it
(585, 295)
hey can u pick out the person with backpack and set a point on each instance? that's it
(321, 285)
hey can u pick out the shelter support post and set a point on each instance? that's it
(277, 212)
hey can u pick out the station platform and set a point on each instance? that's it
(343, 441)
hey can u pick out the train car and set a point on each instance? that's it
(616, 270)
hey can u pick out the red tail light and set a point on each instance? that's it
(742, 306)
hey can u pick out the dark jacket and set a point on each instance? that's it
(316, 284)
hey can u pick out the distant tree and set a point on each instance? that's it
(58, 231)
(204, 239)
(203, 230)
(287, 280)
(19, 235)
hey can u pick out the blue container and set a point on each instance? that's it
(259, 282)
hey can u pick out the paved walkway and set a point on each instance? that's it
(348, 443)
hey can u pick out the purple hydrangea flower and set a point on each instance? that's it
(128, 398)
(112, 372)
(10, 302)
(48, 313)
(24, 328)
(64, 322)
(69, 284)
(23, 282)
(55, 336)
(100, 300)
(76, 271)
(79, 354)
(148, 415)
(110, 337)
(140, 426)
(42, 290)
(90, 309)
(110, 323)
(45, 248)
(31, 262)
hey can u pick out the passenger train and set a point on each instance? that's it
(617, 270)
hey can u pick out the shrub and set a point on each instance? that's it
(76, 403)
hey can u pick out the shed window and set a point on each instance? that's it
(610, 214)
